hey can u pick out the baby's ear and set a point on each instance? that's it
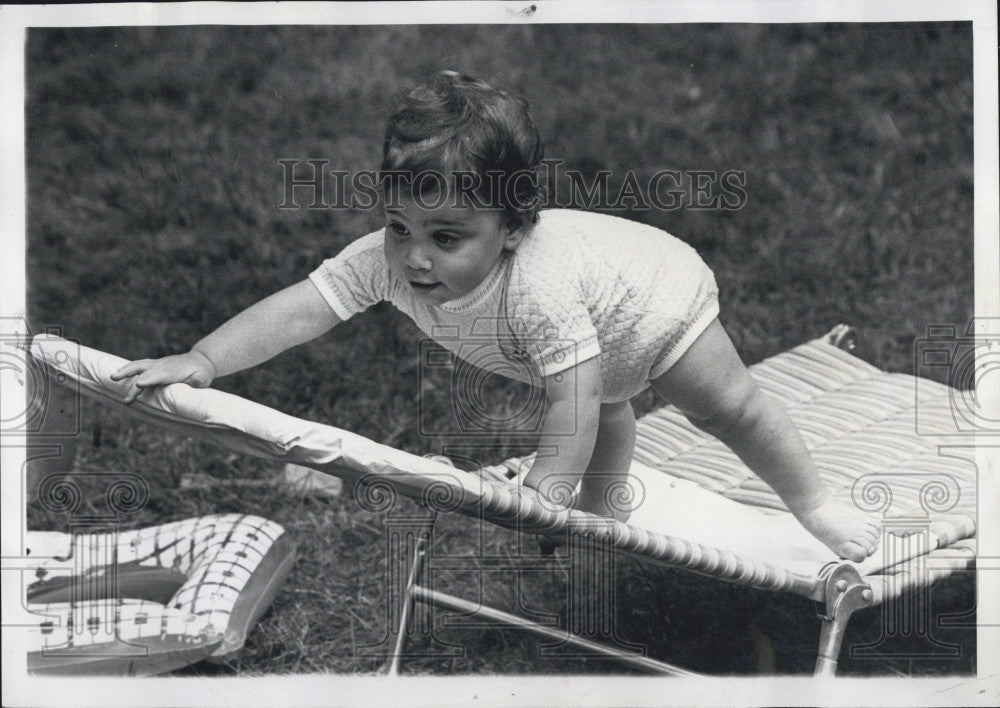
(516, 229)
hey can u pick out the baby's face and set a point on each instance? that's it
(444, 251)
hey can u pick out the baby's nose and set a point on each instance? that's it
(416, 259)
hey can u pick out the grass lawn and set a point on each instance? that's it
(153, 191)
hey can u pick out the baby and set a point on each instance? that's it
(592, 308)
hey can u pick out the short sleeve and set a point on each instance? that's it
(356, 278)
(549, 322)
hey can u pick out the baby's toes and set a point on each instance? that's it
(853, 551)
(863, 532)
(874, 535)
(868, 544)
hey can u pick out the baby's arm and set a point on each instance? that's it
(714, 390)
(573, 404)
(289, 317)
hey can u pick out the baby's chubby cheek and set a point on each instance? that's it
(469, 276)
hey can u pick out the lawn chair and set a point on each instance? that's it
(880, 440)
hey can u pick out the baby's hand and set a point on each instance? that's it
(843, 529)
(193, 368)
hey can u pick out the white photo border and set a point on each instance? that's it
(21, 689)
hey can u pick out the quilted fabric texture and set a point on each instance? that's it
(579, 285)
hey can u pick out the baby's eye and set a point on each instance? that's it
(397, 229)
(445, 239)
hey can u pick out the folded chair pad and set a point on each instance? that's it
(146, 601)
(696, 506)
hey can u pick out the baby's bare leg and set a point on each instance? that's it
(841, 527)
(714, 390)
(602, 489)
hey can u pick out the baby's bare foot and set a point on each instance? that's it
(843, 529)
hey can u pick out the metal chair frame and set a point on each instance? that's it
(841, 592)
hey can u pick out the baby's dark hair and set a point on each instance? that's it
(454, 124)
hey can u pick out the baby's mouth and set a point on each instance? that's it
(423, 287)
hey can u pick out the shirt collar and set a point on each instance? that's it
(483, 290)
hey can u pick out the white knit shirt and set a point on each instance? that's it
(579, 285)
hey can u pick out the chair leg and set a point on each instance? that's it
(846, 593)
(417, 568)
(831, 637)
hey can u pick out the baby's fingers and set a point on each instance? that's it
(133, 393)
(142, 374)
(131, 369)
(147, 379)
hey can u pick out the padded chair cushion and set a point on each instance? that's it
(161, 598)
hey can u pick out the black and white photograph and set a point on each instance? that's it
(459, 353)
